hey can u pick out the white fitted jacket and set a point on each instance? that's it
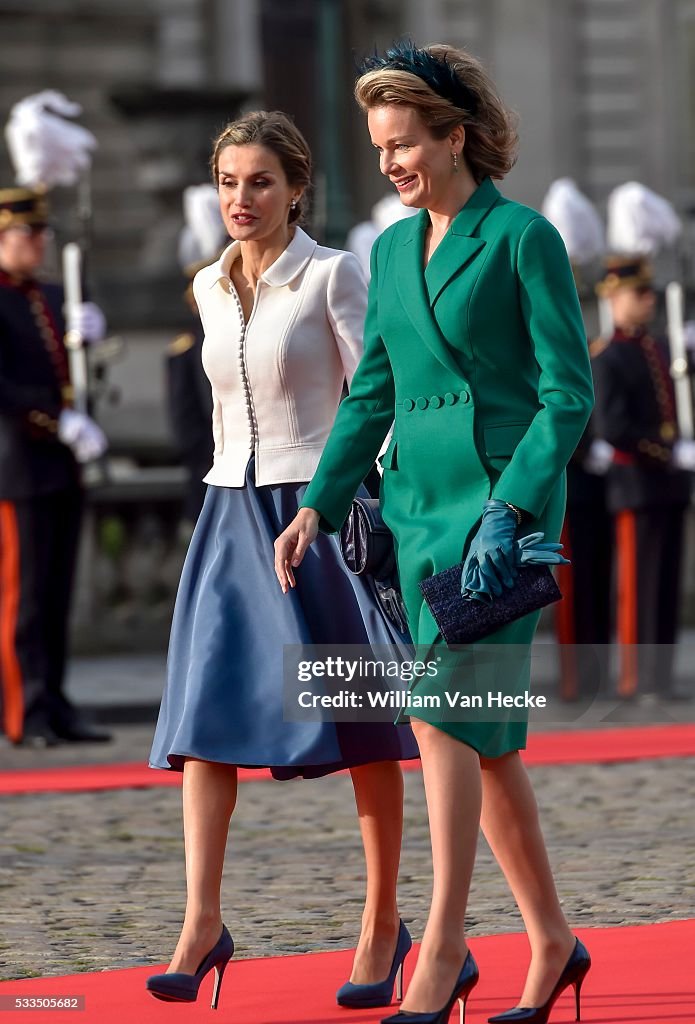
(277, 382)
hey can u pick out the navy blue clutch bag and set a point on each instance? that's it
(462, 621)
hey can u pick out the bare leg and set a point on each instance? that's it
(511, 826)
(209, 798)
(451, 773)
(379, 799)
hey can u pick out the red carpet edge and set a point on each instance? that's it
(591, 746)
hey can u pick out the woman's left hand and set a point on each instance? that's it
(292, 545)
(491, 564)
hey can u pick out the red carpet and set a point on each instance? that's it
(601, 746)
(640, 974)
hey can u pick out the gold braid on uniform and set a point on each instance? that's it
(662, 389)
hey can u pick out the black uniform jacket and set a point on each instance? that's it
(635, 412)
(33, 377)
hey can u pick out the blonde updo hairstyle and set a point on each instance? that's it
(278, 133)
(491, 131)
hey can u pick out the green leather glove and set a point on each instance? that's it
(495, 554)
(531, 550)
(490, 565)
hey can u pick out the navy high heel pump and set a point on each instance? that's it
(183, 988)
(465, 983)
(381, 992)
(576, 969)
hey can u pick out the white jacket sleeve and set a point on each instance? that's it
(347, 307)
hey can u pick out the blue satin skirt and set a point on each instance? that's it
(223, 696)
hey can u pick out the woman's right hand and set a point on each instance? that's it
(292, 544)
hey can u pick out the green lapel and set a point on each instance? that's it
(418, 289)
(459, 245)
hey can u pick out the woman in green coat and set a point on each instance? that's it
(475, 349)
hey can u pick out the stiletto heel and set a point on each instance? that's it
(183, 988)
(217, 987)
(465, 983)
(574, 973)
(399, 982)
(577, 990)
(379, 993)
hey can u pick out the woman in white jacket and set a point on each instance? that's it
(283, 320)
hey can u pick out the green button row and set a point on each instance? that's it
(436, 401)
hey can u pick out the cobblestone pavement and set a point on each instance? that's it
(95, 880)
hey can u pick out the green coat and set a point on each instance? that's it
(481, 359)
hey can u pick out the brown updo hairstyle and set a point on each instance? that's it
(278, 133)
(491, 132)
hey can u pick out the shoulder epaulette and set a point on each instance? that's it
(182, 343)
(597, 346)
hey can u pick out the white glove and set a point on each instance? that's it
(80, 433)
(599, 457)
(88, 321)
(683, 456)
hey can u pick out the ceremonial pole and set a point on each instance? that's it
(679, 360)
(74, 342)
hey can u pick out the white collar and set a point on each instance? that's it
(286, 267)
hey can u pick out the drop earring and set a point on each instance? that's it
(293, 204)
(455, 158)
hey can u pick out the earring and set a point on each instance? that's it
(456, 162)
(293, 204)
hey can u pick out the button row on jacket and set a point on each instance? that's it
(436, 401)
(250, 412)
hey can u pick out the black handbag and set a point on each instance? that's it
(366, 544)
(462, 621)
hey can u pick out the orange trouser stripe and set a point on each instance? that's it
(626, 542)
(10, 671)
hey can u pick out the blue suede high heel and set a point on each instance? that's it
(576, 969)
(183, 988)
(465, 983)
(381, 992)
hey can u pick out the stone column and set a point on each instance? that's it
(235, 44)
(533, 62)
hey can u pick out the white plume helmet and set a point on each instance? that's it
(577, 220)
(362, 237)
(388, 210)
(204, 232)
(45, 148)
(640, 221)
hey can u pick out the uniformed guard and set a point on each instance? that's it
(583, 617)
(189, 394)
(42, 440)
(189, 399)
(648, 486)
